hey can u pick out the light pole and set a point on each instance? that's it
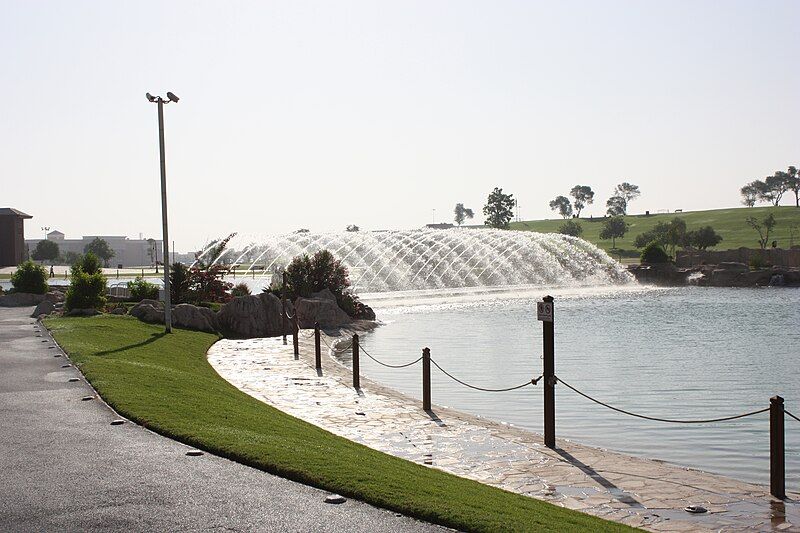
(45, 229)
(165, 242)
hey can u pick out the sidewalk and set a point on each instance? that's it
(66, 468)
(637, 492)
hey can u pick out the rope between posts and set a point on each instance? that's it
(361, 349)
(448, 374)
(337, 350)
(721, 419)
(790, 414)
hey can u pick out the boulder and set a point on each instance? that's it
(155, 303)
(731, 265)
(21, 299)
(324, 294)
(54, 297)
(44, 308)
(119, 311)
(253, 316)
(192, 317)
(367, 313)
(82, 312)
(322, 310)
(147, 312)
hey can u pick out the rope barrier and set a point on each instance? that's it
(448, 374)
(790, 414)
(721, 419)
(337, 350)
(361, 349)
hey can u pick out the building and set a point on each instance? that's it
(127, 252)
(12, 236)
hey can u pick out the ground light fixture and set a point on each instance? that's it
(165, 243)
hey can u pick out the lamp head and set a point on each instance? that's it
(150, 97)
(172, 97)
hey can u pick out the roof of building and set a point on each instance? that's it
(55, 232)
(10, 211)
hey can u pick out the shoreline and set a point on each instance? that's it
(636, 491)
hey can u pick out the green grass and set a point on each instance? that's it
(165, 383)
(729, 223)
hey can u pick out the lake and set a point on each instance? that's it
(681, 353)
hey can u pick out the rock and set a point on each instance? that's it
(146, 312)
(324, 294)
(44, 308)
(82, 312)
(322, 310)
(192, 317)
(253, 316)
(367, 313)
(21, 299)
(54, 297)
(119, 311)
(155, 303)
(730, 265)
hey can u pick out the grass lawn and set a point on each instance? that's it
(165, 383)
(729, 223)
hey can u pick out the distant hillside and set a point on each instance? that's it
(730, 223)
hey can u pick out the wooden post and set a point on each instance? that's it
(295, 335)
(426, 379)
(283, 306)
(548, 332)
(356, 370)
(317, 347)
(777, 460)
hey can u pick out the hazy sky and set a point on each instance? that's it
(322, 114)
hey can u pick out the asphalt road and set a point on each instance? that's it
(64, 467)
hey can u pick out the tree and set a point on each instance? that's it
(614, 228)
(571, 227)
(763, 227)
(582, 195)
(703, 238)
(101, 249)
(462, 213)
(352, 227)
(616, 206)
(750, 193)
(628, 192)
(499, 209)
(793, 182)
(45, 250)
(562, 205)
(776, 186)
(70, 258)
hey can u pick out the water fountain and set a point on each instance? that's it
(436, 259)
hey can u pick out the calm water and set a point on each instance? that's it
(675, 353)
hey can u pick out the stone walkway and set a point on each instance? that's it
(638, 492)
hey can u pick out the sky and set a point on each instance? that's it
(321, 114)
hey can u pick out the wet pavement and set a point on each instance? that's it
(638, 492)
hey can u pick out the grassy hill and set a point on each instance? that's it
(729, 223)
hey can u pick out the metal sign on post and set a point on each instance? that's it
(544, 311)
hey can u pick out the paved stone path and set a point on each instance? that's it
(64, 467)
(638, 492)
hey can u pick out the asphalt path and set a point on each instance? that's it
(64, 467)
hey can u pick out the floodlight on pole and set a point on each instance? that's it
(165, 242)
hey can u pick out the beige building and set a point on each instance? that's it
(127, 252)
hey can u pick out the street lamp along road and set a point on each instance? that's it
(165, 246)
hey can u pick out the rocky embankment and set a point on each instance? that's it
(720, 275)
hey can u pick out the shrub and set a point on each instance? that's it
(654, 253)
(207, 285)
(89, 264)
(757, 261)
(140, 289)
(179, 283)
(30, 277)
(239, 290)
(86, 291)
(572, 228)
